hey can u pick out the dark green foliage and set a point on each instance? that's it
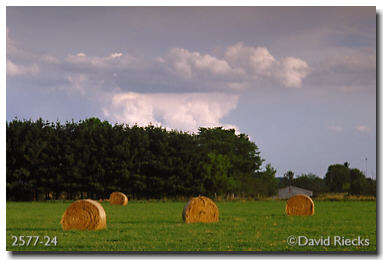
(289, 176)
(311, 182)
(357, 180)
(92, 158)
(338, 177)
(341, 178)
(268, 183)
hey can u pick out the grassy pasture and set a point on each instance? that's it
(157, 226)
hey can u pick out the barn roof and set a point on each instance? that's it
(289, 191)
(291, 187)
(296, 188)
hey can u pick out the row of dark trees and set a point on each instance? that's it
(92, 158)
(342, 178)
(338, 178)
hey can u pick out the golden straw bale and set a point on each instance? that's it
(200, 209)
(84, 214)
(300, 205)
(118, 198)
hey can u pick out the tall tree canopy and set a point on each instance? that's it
(341, 178)
(92, 158)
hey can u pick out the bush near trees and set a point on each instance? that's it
(311, 182)
(92, 158)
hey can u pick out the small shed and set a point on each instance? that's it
(289, 191)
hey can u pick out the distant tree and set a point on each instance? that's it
(289, 176)
(311, 182)
(357, 181)
(338, 178)
(368, 187)
(341, 178)
(269, 184)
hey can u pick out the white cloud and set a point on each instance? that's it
(113, 62)
(191, 64)
(363, 129)
(14, 69)
(16, 52)
(293, 70)
(114, 55)
(240, 67)
(185, 111)
(22, 62)
(256, 60)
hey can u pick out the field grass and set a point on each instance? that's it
(157, 226)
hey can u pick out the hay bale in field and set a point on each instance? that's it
(85, 214)
(300, 205)
(118, 198)
(200, 209)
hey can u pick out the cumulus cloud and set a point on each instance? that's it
(14, 69)
(239, 68)
(22, 62)
(185, 111)
(114, 62)
(293, 70)
(213, 83)
(257, 60)
(190, 64)
(17, 53)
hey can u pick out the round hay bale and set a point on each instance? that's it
(118, 198)
(200, 209)
(84, 214)
(300, 205)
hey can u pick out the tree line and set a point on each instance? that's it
(92, 158)
(338, 178)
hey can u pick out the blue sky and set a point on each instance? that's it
(299, 81)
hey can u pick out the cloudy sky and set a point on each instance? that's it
(300, 81)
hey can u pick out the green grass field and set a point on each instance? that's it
(157, 226)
